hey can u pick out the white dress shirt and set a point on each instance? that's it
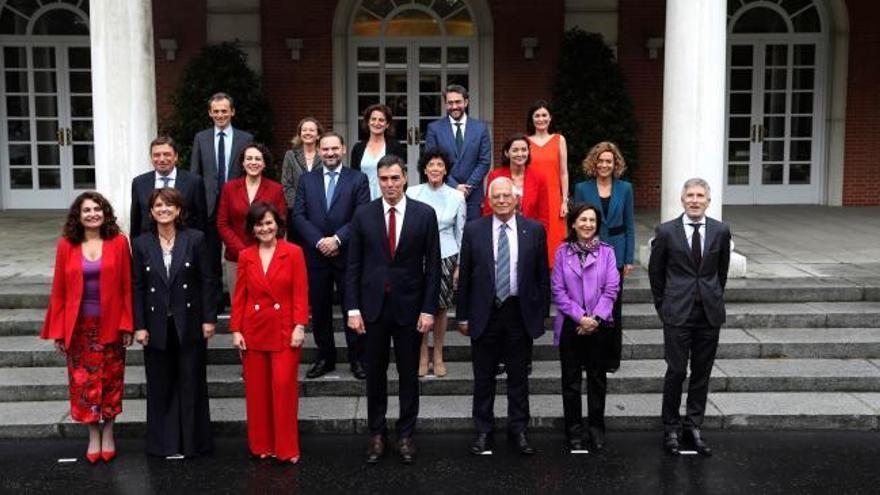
(227, 145)
(689, 231)
(158, 183)
(463, 122)
(512, 242)
(399, 211)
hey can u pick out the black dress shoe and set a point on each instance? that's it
(407, 449)
(521, 443)
(376, 449)
(481, 444)
(693, 437)
(358, 370)
(575, 443)
(529, 369)
(670, 443)
(502, 369)
(597, 438)
(320, 368)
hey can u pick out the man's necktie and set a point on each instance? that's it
(696, 248)
(165, 181)
(502, 266)
(221, 161)
(331, 187)
(392, 231)
(459, 137)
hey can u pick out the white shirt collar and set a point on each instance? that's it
(172, 175)
(327, 170)
(496, 223)
(463, 120)
(686, 220)
(227, 131)
(399, 208)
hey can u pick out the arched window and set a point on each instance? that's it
(395, 18)
(784, 16)
(32, 17)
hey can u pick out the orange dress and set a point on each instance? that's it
(545, 159)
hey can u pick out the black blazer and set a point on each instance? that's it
(188, 293)
(412, 276)
(675, 279)
(203, 162)
(476, 275)
(392, 147)
(190, 185)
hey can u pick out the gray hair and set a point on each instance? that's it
(696, 182)
(456, 88)
(498, 180)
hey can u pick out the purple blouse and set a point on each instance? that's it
(91, 298)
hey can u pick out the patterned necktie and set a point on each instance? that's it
(165, 181)
(502, 266)
(221, 161)
(459, 137)
(392, 231)
(331, 187)
(696, 248)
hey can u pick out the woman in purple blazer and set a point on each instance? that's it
(585, 284)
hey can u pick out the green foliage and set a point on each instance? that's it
(590, 102)
(218, 68)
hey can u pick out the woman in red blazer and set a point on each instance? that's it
(529, 185)
(237, 197)
(270, 309)
(89, 316)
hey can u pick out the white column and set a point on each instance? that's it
(693, 100)
(123, 96)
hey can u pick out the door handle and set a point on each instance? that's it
(68, 133)
(59, 136)
(418, 136)
(411, 136)
(760, 133)
(754, 133)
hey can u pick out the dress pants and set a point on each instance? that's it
(697, 339)
(178, 417)
(272, 401)
(321, 290)
(407, 341)
(614, 340)
(504, 336)
(577, 352)
(214, 248)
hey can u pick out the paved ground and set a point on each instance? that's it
(745, 462)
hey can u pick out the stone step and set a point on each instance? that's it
(636, 316)
(634, 377)
(829, 343)
(724, 410)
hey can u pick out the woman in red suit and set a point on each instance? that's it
(270, 309)
(89, 316)
(529, 185)
(237, 196)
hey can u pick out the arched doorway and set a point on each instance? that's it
(776, 79)
(46, 138)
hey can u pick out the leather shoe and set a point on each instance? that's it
(597, 438)
(320, 368)
(407, 449)
(522, 443)
(481, 444)
(670, 443)
(575, 443)
(358, 370)
(693, 437)
(376, 449)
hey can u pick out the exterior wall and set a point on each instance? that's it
(183, 20)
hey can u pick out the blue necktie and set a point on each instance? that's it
(502, 266)
(221, 161)
(165, 181)
(331, 187)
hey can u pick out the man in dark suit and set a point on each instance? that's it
(326, 199)
(163, 154)
(688, 272)
(392, 287)
(503, 298)
(466, 140)
(215, 158)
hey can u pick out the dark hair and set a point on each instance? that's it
(331, 134)
(456, 88)
(221, 96)
(576, 210)
(530, 124)
(163, 139)
(296, 140)
(267, 155)
(391, 160)
(169, 196)
(256, 213)
(505, 161)
(73, 228)
(429, 155)
(389, 119)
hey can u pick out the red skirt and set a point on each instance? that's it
(95, 372)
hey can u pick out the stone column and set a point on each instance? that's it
(123, 96)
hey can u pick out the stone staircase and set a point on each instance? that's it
(795, 353)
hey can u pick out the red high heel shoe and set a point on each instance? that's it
(108, 455)
(93, 456)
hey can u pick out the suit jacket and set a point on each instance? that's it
(392, 147)
(292, 169)
(409, 281)
(190, 185)
(67, 291)
(203, 161)
(472, 164)
(267, 305)
(233, 208)
(312, 220)
(583, 289)
(534, 199)
(476, 275)
(618, 223)
(675, 278)
(188, 293)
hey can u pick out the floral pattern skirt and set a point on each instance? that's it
(95, 372)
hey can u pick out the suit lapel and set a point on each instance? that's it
(279, 258)
(405, 228)
(488, 244)
(380, 215)
(614, 203)
(156, 261)
(337, 192)
(522, 239)
(448, 137)
(178, 252)
(681, 235)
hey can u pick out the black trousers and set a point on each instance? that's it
(323, 283)
(614, 340)
(214, 247)
(577, 352)
(504, 336)
(698, 341)
(407, 341)
(178, 417)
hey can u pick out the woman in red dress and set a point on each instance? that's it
(529, 186)
(550, 157)
(270, 309)
(89, 316)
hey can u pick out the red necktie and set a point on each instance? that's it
(392, 231)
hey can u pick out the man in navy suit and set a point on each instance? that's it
(326, 199)
(163, 154)
(392, 287)
(503, 298)
(467, 141)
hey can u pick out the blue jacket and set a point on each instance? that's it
(618, 223)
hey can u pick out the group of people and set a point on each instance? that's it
(396, 258)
